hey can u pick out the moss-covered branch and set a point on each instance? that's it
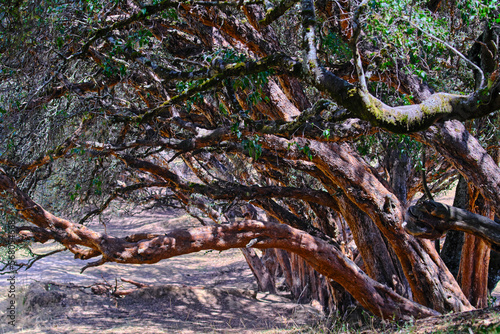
(411, 118)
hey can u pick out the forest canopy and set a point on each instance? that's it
(320, 132)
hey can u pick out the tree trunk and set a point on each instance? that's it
(431, 282)
(148, 248)
(473, 273)
(379, 259)
(452, 247)
(265, 279)
(375, 251)
(466, 154)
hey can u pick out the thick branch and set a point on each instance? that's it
(78, 88)
(229, 190)
(465, 153)
(58, 152)
(361, 185)
(407, 119)
(228, 71)
(149, 10)
(276, 12)
(361, 104)
(431, 220)
(240, 31)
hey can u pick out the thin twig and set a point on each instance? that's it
(477, 68)
(41, 256)
(354, 45)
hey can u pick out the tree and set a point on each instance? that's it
(309, 116)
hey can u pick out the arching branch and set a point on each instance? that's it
(324, 257)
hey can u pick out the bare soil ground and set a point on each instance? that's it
(206, 292)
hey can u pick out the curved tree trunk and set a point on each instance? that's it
(473, 273)
(265, 278)
(379, 259)
(466, 154)
(374, 249)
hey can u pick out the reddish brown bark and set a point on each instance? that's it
(473, 272)
(77, 88)
(325, 258)
(454, 142)
(265, 279)
(291, 92)
(466, 154)
(373, 247)
(431, 282)
(453, 243)
(475, 259)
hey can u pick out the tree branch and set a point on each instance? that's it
(149, 10)
(276, 12)
(117, 192)
(432, 219)
(354, 45)
(56, 153)
(465, 153)
(325, 258)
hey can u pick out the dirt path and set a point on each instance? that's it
(205, 292)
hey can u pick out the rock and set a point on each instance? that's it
(40, 295)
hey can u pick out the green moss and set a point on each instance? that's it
(352, 92)
(405, 118)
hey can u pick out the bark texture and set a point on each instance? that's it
(474, 264)
(422, 265)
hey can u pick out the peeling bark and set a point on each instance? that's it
(452, 247)
(265, 279)
(458, 146)
(474, 264)
(473, 273)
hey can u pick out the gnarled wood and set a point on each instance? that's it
(324, 257)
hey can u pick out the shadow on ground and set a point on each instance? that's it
(61, 308)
